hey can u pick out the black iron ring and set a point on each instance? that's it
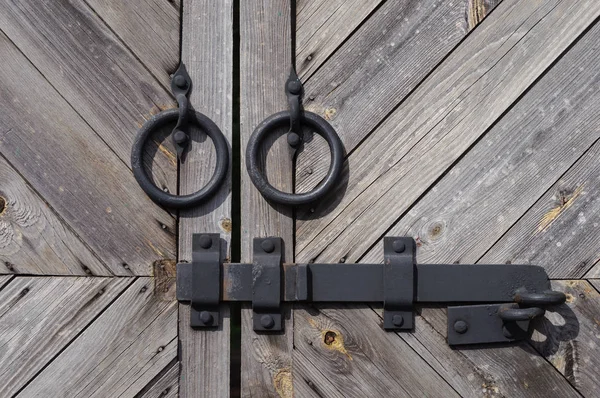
(546, 298)
(282, 119)
(180, 201)
(511, 313)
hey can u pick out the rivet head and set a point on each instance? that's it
(180, 137)
(206, 318)
(461, 327)
(293, 140)
(180, 81)
(294, 87)
(267, 321)
(205, 242)
(267, 245)
(398, 320)
(398, 246)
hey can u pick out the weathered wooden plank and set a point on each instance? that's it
(94, 72)
(86, 184)
(322, 25)
(208, 54)
(40, 316)
(33, 240)
(561, 231)
(357, 358)
(506, 172)
(166, 386)
(265, 59)
(4, 279)
(150, 31)
(119, 353)
(568, 336)
(439, 121)
(377, 67)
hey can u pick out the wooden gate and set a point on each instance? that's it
(470, 125)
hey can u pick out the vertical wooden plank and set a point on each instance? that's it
(265, 58)
(207, 51)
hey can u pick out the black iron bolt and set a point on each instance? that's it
(398, 320)
(267, 321)
(293, 140)
(180, 81)
(399, 246)
(294, 87)
(267, 245)
(461, 327)
(205, 242)
(206, 318)
(180, 137)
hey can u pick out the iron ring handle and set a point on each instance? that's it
(511, 313)
(282, 119)
(165, 199)
(546, 298)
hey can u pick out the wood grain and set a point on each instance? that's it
(561, 230)
(322, 25)
(265, 59)
(374, 71)
(472, 88)
(76, 173)
(207, 51)
(40, 316)
(33, 239)
(506, 172)
(165, 386)
(150, 31)
(119, 353)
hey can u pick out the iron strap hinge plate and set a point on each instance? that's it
(486, 303)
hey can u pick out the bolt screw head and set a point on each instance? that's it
(205, 242)
(398, 320)
(293, 140)
(267, 245)
(294, 87)
(398, 246)
(206, 318)
(180, 81)
(180, 137)
(267, 321)
(461, 327)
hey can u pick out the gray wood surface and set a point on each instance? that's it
(119, 353)
(40, 316)
(439, 121)
(33, 239)
(510, 168)
(165, 386)
(208, 54)
(322, 25)
(94, 72)
(562, 230)
(265, 60)
(76, 173)
(375, 69)
(150, 31)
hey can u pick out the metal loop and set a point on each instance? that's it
(180, 201)
(512, 313)
(547, 298)
(282, 119)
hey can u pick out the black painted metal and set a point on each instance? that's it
(206, 280)
(508, 295)
(183, 117)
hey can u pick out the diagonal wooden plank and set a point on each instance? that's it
(4, 279)
(94, 72)
(58, 154)
(33, 239)
(568, 336)
(516, 162)
(322, 25)
(561, 229)
(208, 54)
(119, 353)
(40, 316)
(345, 342)
(265, 58)
(151, 31)
(379, 65)
(166, 386)
(440, 120)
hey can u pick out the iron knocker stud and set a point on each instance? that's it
(184, 116)
(294, 117)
